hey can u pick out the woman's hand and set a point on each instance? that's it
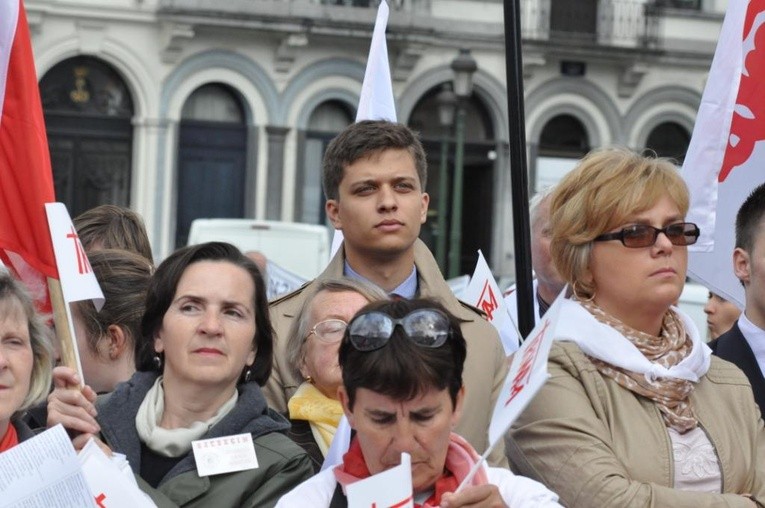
(70, 405)
(485, 496)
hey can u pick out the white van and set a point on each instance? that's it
(302, 249)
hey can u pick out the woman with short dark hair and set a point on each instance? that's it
(205, 349)
(402, 391)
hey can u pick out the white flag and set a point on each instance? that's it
(376, 101)
(391, 488)
(527, 374)
(726, 156)
(78, 282)
(483, 292)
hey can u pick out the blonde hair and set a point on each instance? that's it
(604, 190)
(14, 296)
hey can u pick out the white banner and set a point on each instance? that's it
(726, 156)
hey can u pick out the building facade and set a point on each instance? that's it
(200, 108)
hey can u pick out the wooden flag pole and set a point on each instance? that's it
(63, 319)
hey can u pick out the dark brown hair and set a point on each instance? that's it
(364, 139)
(162, 291)
(401, 369)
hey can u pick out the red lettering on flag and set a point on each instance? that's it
(83, 265)
(100, 499)
(527, 362)
(488, 301)
(748, 123)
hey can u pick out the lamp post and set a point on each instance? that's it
(464, 66)
(447, 102)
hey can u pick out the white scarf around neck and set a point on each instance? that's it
(172, 442)
(603, 342)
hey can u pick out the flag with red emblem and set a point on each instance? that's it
(26, 181)
(726, 156)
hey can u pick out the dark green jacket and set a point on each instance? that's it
(282, 464)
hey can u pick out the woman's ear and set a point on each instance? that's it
(117, 340)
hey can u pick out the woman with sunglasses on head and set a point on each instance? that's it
(314, 409)
(635, 412)
(205, 349)
(402, 391)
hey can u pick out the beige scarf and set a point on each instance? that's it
(171, 442)
(321, 412)
(673, 344)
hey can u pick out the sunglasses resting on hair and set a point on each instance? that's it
(424, 327)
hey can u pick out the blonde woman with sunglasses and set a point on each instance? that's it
(636, 412)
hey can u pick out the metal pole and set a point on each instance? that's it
(518, 175)
(443, 205)
(455, 248)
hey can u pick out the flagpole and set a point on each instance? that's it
(62, 320)
(518, 173)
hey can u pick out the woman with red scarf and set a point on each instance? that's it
(25, 360)
(402, 392)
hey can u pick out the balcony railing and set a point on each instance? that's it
(603, 22)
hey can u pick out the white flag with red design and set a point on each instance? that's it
(527, 373)
(376, 101)
(483, 292)
(78, 282)
(726, 156)
(391, 489)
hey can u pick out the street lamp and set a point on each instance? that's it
(447, 103)
(464, 66)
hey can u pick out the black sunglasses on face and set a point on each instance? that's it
(424, 327)
(644, 235)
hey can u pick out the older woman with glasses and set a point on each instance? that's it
(314, 409)
(635, 413)
(402, 391)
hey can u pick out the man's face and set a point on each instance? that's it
(381, 205)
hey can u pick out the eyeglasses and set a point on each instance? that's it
(643, 235)
(425, 327)
(329, 331)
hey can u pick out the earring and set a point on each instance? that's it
(157, 360)
(247, 376)
(578, 297)
(309, 379)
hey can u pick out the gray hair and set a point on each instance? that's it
(299, 329)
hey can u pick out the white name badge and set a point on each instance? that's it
(224, 454)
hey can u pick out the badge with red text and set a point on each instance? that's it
(224, 454)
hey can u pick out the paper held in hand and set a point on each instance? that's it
(391, 488)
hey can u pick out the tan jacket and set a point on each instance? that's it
(485, 365)
(599, 445)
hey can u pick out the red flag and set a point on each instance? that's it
(726, 156)
(26, 181)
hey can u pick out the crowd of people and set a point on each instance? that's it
(638, 409)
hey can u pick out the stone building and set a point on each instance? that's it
(202, 108)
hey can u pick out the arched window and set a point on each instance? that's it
(562, 142)
(669, 139)
(212, 158)
(88, 111)
(326, 121)
(478, 177)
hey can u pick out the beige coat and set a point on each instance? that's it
(598, 444)
(485, 365)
